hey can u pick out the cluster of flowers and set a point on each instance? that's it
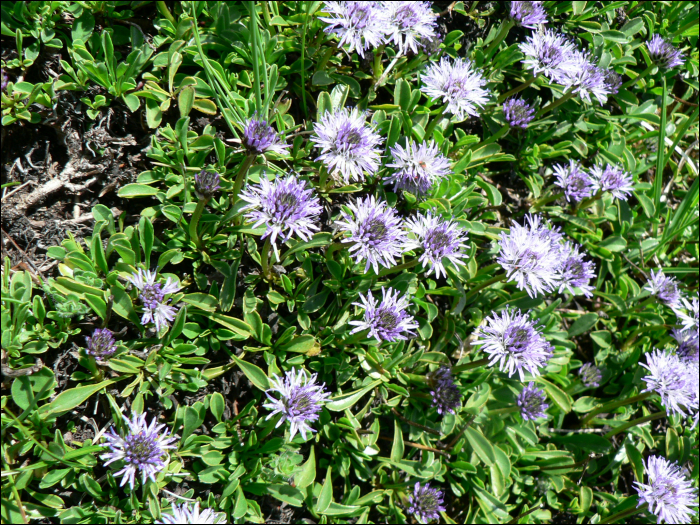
(578, 184)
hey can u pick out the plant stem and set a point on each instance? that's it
(624, 514)
(555, 104)
(639, 77)
(502, 33)
(163, 9)
(494, 137)
(633, 336)
(468, 366)
(241, 177)
(545, 200)
(613, 405)
(634, 423)
(253, 30)
(498, 278)
(194, 221)
(404, 266)
(515, 90)
(333, 248)
(431, 126)
(265, 259)
(382, 79)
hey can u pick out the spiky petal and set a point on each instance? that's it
(388, 320)
(669, 493)
(456, 83)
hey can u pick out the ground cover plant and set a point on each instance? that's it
(349, 262)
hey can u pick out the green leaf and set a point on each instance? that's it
(397, 448)
(286, 493)
(585, 404)
(345, 401)
(137, 190)
(583, 324)
(185, 101)
(234, 324)
(217, 405)
(556, 394)
(71, 398)
(320, 239)
(191, 421)
(146, 237)
(300, 345)
(636, 460)
(481, 446)
(307, 474)
(614, 244)
(586, 498)
(326, 495)
(204, 105)
(241, 507)
(254, 374)
(323, 105)
(203, 301)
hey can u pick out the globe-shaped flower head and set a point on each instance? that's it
(188, 513)
(687, 313)
(141, 449)
(662, 52)
(590, 375)
(514, 342)
(349, 147)
(206, 184)
(375, 231)
(669, 493)
(407, 23)
(357, 24)
(440, 240)
(668, 378)
(300, 401)
(102, 343)
(388, 320)
(425, 503)
(665, 288)
(574, 180)
(688, 344)
(518, 113)
(613, 179)
(446, 395)
(152, 295)
(532, 402)
(418, 167)
(584, 78)
(528, 14)
(575, 271)
(286, 207)
(259, 137)
(548, 53)
(457, 84)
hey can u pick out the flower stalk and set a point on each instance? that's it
(613, 405)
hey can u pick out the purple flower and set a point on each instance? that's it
(142, 449)
(446, 395)
(528, 14)
(407, 23)
(575, 272)
(670, 494)
(668, 378)
(348, 146)
(548, 53)
(590, 375)
(206, 184)
(102, 343)
(613, 81)
(532, 402)
(687, 313)
(613, 179)
(574, 180)
(388, 321)
(688, 344)
(357, 24)
(425, 503)
(518, 112)
(375, 231)
(259, 137)
(440, 240)
(515, 342)
(417, 167)
(585, 78)
(531, 255)
(152, 295)
(662, 52)
(301, 399)
(457, 84)
(286, 207)
(187, 513)
(5, 80)
(665, 288)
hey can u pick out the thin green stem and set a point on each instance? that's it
(163, 10)
(634, 423)
(469, 366)
(253, 30)
(493, 138)
(434, 122)
(506, 26)
(265, 259)
(613, 405)
(403, 266)
(639, 77)
(545, 200)
(515, 90)
(623, 515)
(194, 222)
(555, 104)
(241, 177)
(497, 279)
(526, 513)
(382, 79)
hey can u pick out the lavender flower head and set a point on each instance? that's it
(585, 78)
(301, 399)
(574, 180)
(376, 231)
(418, 167)
(152, 295)
(532, 402)
(348, 146)
(688, 344)
(662, 52)
(531, 256)
(425, 503)
(613, 81)
(515, 342)
(388, 320)
(259, 138)
(407, 23)
(206, 184)
(457, 84)
(440, 240)
(142, 449)
(687, 313)
(357, 24)
(669, 493)
(590, 375)
(528, 14)
(575, 272)
(548, 53)
(613, 179)
(102, 343)
(665, 288)
(286, 207)
(5, 80)
(668, 378)
(187, 513)
(518, 113)
(446, 395)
